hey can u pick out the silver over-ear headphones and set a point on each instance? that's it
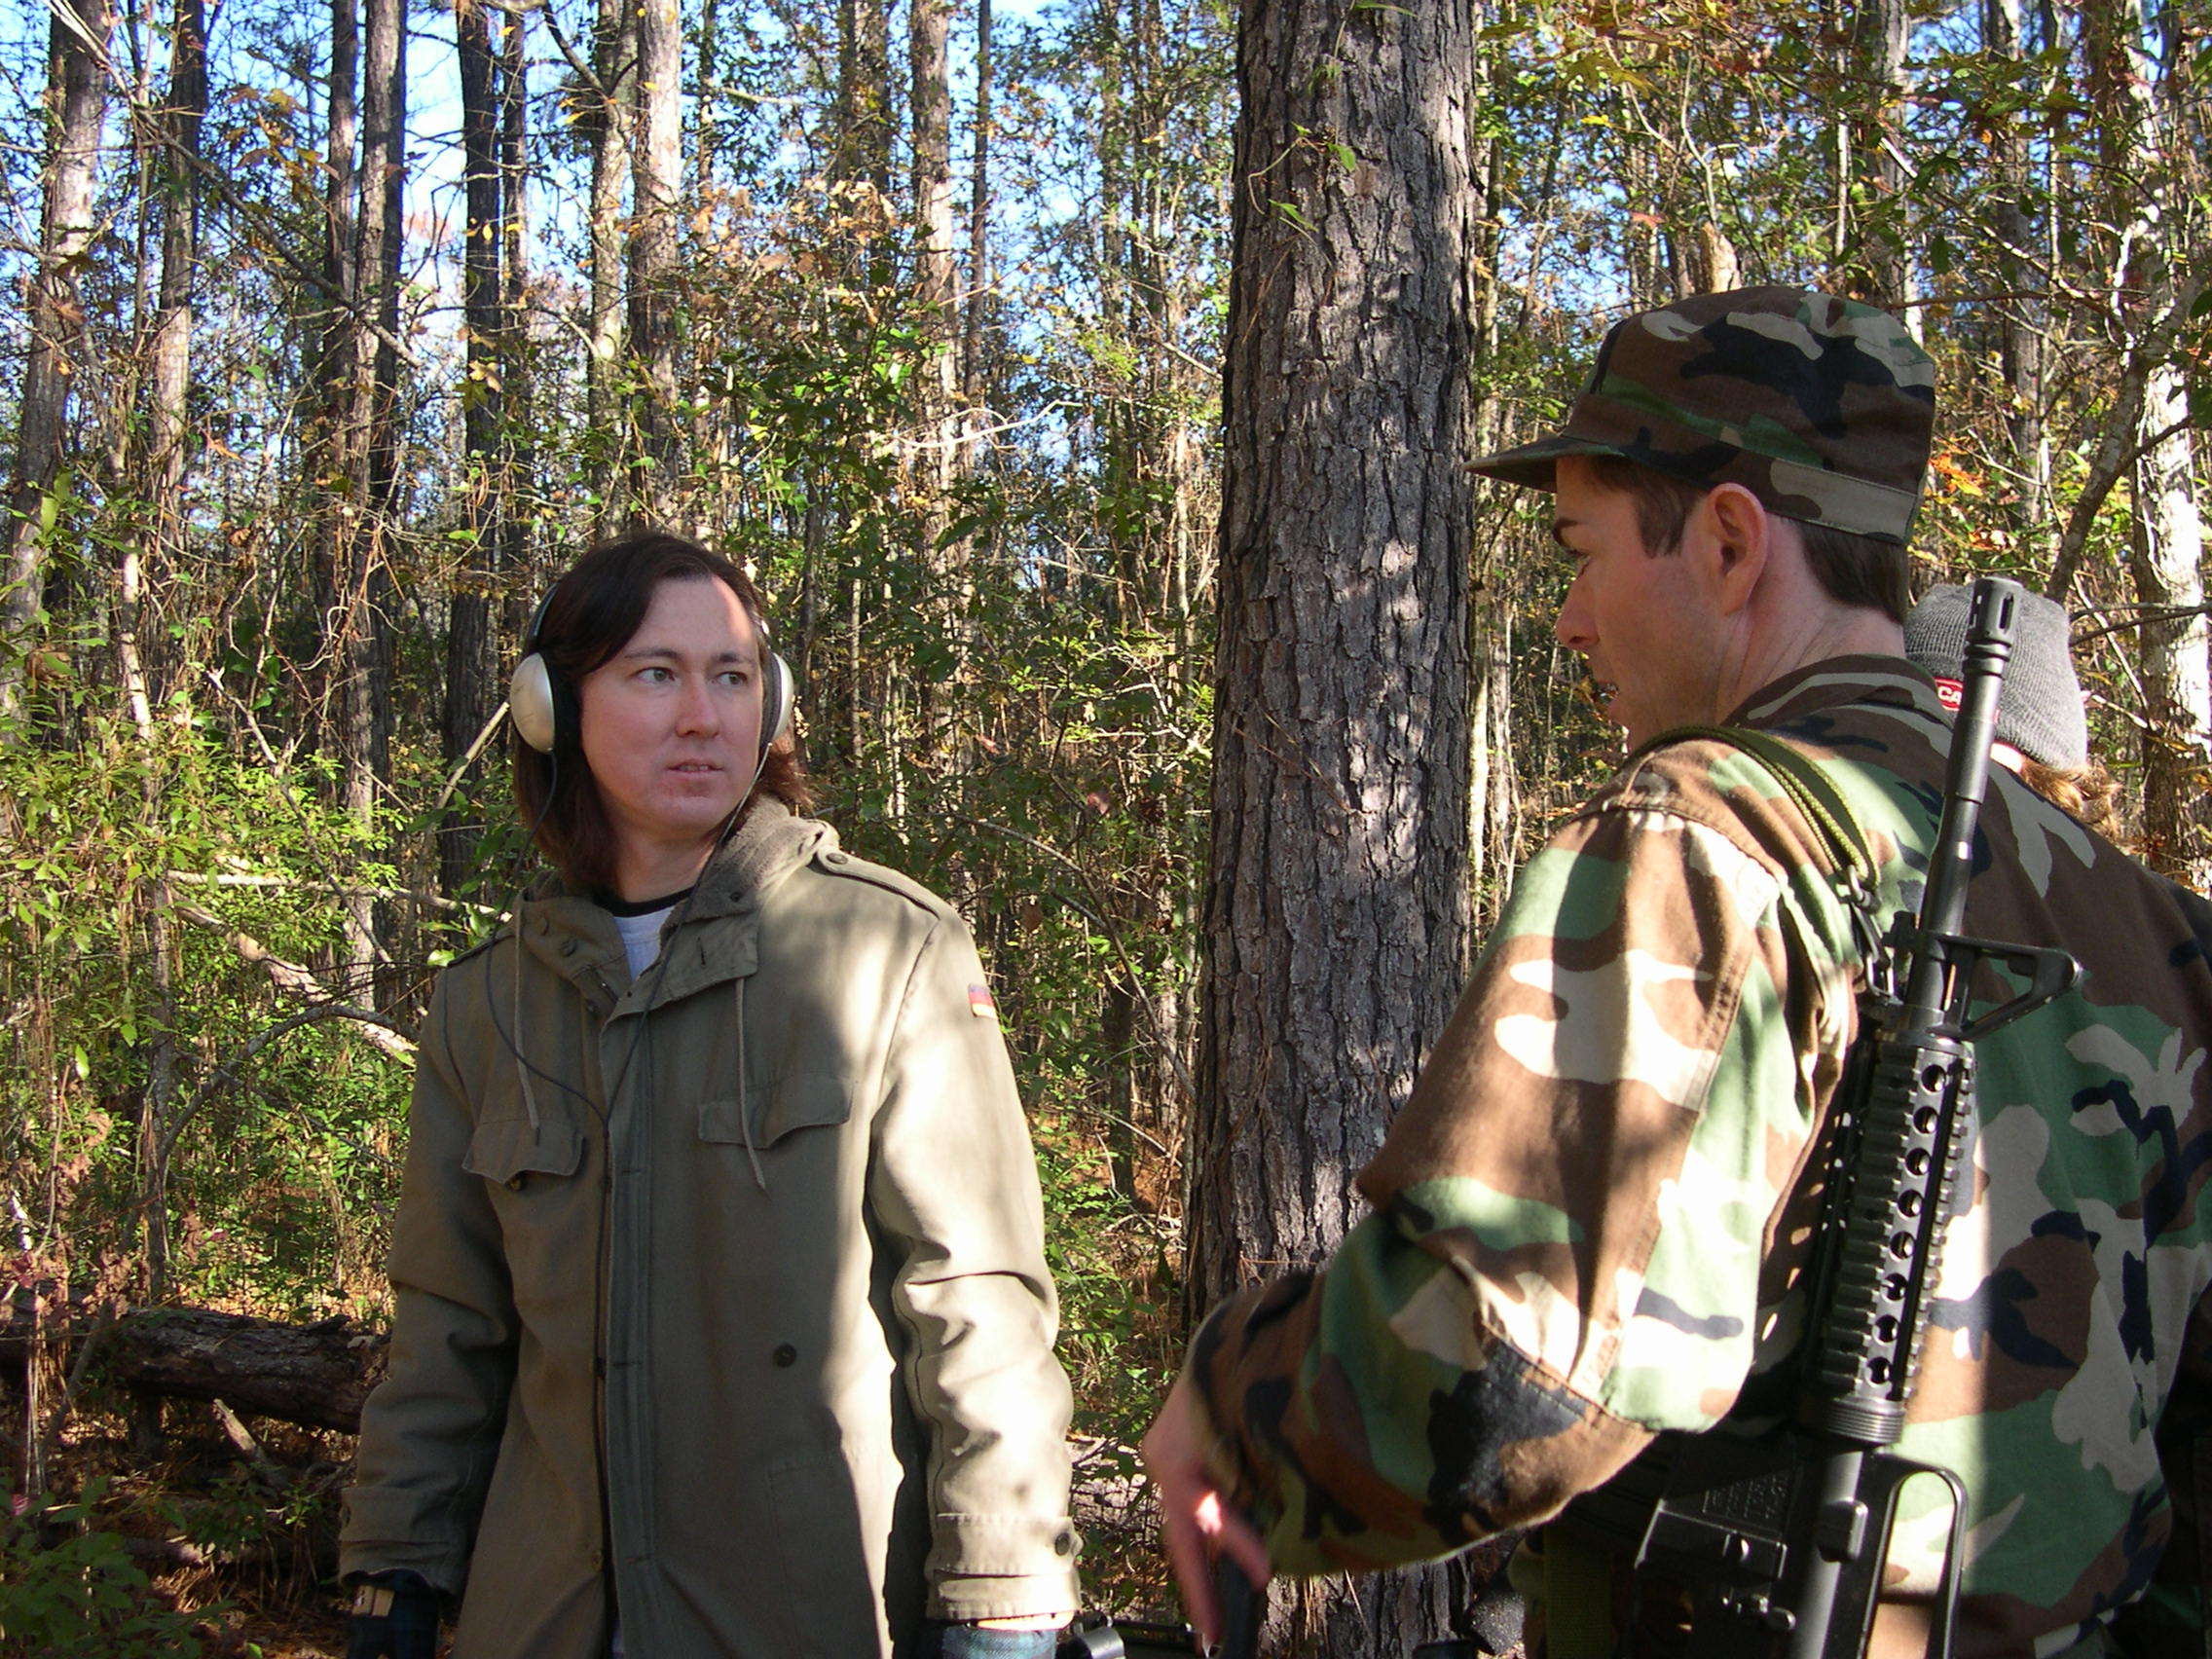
(547, 717)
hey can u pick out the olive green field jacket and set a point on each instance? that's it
(722, 1297)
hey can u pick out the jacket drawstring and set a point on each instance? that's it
(744, 1106)
(522, 1065)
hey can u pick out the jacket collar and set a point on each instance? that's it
(1883, 681)
(575, 938)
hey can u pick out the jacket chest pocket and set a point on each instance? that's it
(514, 1153)
(777, 1110)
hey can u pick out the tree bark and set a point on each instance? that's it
(1335, 933)
(75, 101)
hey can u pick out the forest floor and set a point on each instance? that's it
(174, 1528)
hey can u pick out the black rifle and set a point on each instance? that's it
(1777, 1541)
(1243, 1607)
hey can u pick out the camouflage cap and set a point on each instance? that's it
(1820, 407)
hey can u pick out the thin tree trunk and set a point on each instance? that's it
(146, 559)
(869, 125)
(75, 105)
(2023, 319)
(974, 380)
(655, 162)
(939, 423)
(937, 279)
(2158, 278)
(166, 471)
(363, 465)
(518, 445)
(1336, 931)
(605, 417)
(705, 111)
(2173, 653)
(1884, 231)
(471, 651)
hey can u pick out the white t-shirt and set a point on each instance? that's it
(641, 936)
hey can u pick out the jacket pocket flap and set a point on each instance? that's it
(507, 1149)
(796, 1100)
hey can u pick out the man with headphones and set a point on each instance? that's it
(724, 1326)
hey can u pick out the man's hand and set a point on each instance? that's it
(395, 1616)
(1198, 1520)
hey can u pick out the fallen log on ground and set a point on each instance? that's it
(315, 1375)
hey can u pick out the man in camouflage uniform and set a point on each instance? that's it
(1588, 1220)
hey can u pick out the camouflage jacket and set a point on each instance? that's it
(1589, 1220)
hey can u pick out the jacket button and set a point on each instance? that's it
(1064, 1544)
(836, 857)
(784, 1355)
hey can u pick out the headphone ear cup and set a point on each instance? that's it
(776, 699)
(531, 704)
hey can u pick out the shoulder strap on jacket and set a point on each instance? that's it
(1809, 788)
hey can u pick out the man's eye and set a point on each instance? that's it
(653, 675)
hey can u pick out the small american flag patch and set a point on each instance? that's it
(980, 1003)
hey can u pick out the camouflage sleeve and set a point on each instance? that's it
(1572, 1212)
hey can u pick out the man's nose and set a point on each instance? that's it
(695, 708)
(1573, 629)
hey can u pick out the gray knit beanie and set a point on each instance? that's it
(2041, 711)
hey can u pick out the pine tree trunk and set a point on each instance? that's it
(1336, 930)
(75, 104)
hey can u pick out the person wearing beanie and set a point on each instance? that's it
(2043, 728)
(1588, 1237)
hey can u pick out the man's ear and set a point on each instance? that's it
(1742, 538)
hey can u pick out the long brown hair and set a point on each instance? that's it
(592, 613)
